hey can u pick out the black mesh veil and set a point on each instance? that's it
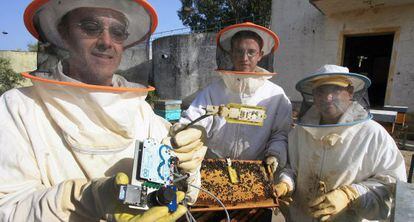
(356, 110)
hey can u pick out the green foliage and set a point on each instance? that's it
(33, 47)
(151, 97)
(8, 78)
(213, 15)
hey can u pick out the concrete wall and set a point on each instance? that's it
(136, 65)
(309, 39)
(183, 64)
(20, 61)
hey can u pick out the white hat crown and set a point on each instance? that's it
(332, 69)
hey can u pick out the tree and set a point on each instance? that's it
(33, 47)
(213, 15)
(8, 78)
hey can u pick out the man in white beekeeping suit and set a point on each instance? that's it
(343, 165)
(64, 140)
(248, 84)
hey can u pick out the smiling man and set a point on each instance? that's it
(94, 38)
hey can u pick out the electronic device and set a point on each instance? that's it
(152, 177)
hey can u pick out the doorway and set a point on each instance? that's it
(370, 55)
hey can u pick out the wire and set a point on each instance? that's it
(217, 199)
(188, 214)
(180, 177)
(196, 120)
(190, 217)
(217, 26)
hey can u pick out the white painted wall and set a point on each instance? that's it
(309, 39)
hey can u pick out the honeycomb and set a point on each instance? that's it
(253, 187)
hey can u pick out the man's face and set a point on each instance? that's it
(332, 101)
(94, 38)
(245, 54)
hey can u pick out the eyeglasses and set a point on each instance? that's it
(95, 29)
(328, 89)
(240, 53)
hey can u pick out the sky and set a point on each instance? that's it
(11, 21)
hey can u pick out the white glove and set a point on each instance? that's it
(325, 207)
(190, 150)
(272, 162)
(188, 146)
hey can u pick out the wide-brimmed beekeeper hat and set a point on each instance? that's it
(43, 16)
(333, 75)
(270, 39)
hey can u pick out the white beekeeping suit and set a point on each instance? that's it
(354, 158)
(247, 84)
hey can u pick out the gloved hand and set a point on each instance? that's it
(91, 200)
(98, 199)
(282, 189)
(283, 192)
(330, 204)
(154, 214)
(190, 150)
(272, 162)
(188, 146)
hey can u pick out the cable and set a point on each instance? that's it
(197, 120)
(180, 177)
(217, 199)
(217, 26)
(188, 214)
(193, 219)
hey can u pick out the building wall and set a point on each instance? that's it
(183, 65)
(136, 65)
(309, 39)
(21, 61)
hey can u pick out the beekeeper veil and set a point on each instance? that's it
(332, 96)
(87, 39)
(240, 48)
(95, 107)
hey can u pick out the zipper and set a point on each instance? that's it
(323, 160)
(236, 136)
(320, 171)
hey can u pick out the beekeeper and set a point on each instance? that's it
(244, 82)
(65, 138)
(342, 164)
